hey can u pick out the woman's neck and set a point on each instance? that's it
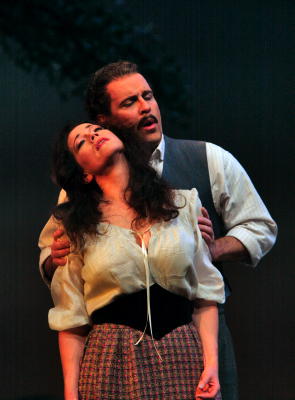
(114, 179)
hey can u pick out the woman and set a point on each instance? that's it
(137, 276)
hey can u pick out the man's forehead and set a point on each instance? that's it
(128, 85)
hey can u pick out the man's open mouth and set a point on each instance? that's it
(148, 122)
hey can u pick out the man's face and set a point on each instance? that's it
(133, 106)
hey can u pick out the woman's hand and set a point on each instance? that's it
(208, 386)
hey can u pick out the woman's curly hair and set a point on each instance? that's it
(150, 196)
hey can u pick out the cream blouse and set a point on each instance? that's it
(113, 264)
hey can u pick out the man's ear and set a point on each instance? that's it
(87, 177)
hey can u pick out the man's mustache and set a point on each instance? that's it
(132, 127)
(147, 119)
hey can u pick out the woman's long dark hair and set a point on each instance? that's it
(80, 215)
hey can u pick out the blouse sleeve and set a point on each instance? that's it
(46, 238)
(210, 282)
(67, 289)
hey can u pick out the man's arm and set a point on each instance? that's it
(227, 248)
(251, 232)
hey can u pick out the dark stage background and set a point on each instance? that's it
(236, 63)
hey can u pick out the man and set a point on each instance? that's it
(119, 96)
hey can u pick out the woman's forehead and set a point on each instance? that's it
(78, 130)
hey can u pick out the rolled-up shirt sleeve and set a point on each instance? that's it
(67, 290)
(235, 198)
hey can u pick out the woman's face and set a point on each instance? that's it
(92, 146)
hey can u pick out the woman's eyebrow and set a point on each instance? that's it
(77, 136)
(75, 139)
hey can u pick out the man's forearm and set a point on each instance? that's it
(228, 248)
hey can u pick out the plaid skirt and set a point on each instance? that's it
(113, 367)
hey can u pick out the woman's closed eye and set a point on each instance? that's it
(99, 128)
(80, 144)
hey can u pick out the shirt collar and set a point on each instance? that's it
(158, 153)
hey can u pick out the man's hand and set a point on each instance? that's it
(60, 248)
(226, 248)
(206, 228)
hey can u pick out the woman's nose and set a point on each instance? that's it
(93, 136)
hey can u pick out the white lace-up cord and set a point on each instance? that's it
(147, 277)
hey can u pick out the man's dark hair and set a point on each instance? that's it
(149, 195)
(97, 99)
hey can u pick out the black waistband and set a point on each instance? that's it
(168, 311)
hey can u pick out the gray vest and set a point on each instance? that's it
(186, 167)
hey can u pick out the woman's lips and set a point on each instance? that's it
(100, 142)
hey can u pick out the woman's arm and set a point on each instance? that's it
(71, 347)
(205, 318)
